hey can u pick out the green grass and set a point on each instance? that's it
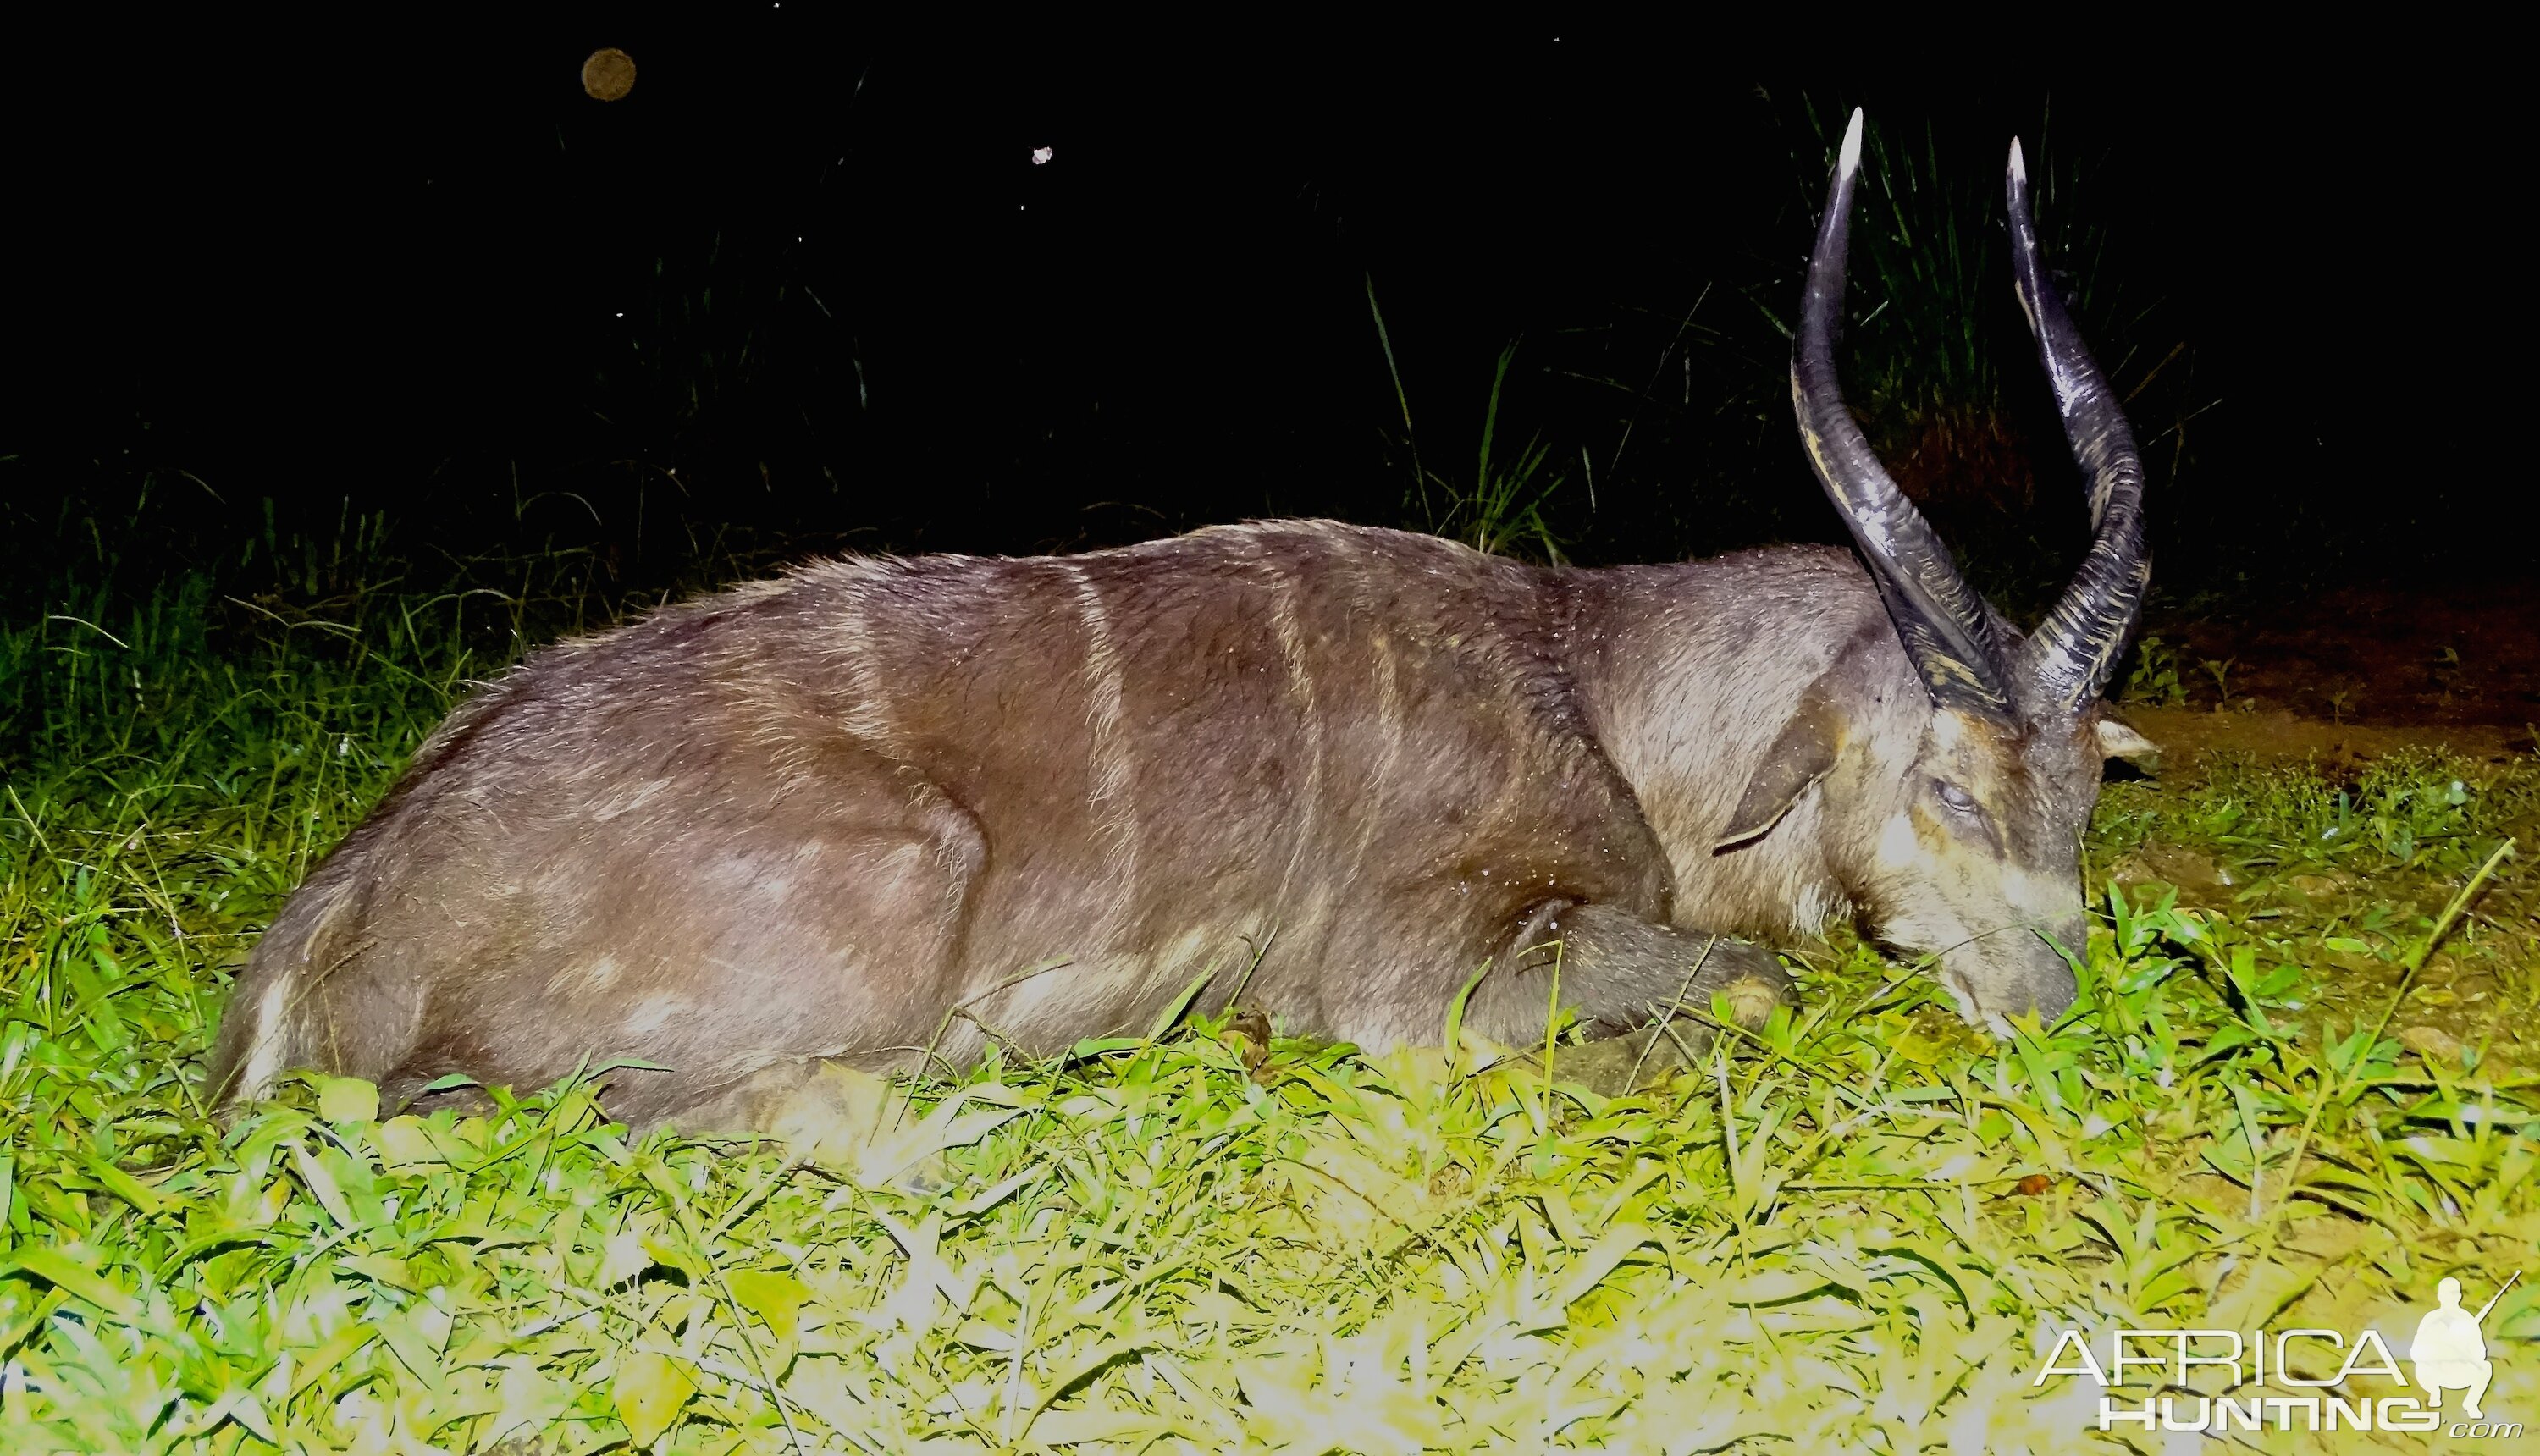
(1853, 1232)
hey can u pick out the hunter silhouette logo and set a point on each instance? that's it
(2260, 1376)
(2450, 1351)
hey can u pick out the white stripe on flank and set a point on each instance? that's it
(1113, 797)
(1300, 680)
(1388, 720)
(865, 718)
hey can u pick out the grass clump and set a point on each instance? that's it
(1856, 1231)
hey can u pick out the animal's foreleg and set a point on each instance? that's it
(1643, 988)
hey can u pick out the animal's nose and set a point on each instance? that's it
(2056, 992)
(2053, 987)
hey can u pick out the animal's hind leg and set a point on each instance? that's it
(1643, 989)
(824, 1111)
(762, 918)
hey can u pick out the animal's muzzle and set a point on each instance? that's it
(2050, 983)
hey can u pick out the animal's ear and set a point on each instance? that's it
(1801, 756)
(2120, 740)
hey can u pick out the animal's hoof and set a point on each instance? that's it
(1752, 997)
(859, 1124)
(1650, 1054)
(928, 1177)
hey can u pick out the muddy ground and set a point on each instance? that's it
(2338, 680)
(2447, 657)
(2349, 676)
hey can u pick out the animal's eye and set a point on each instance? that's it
(1956, 797)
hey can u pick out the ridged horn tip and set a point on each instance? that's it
(2073, 653)
(1946, 628)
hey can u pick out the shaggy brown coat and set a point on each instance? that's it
(806, 818)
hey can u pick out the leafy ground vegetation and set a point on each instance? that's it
(2300, 1089)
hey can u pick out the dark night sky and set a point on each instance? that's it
(388, 266)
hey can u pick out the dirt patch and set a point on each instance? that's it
(2440, 652)
(2186, 733)
(2201, 879)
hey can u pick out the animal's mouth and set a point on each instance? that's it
(2024, 992)
(1964, 992)
(1972, 1011)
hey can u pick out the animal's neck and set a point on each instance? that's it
(1687, 673)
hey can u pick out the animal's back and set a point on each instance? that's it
(805, 817)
